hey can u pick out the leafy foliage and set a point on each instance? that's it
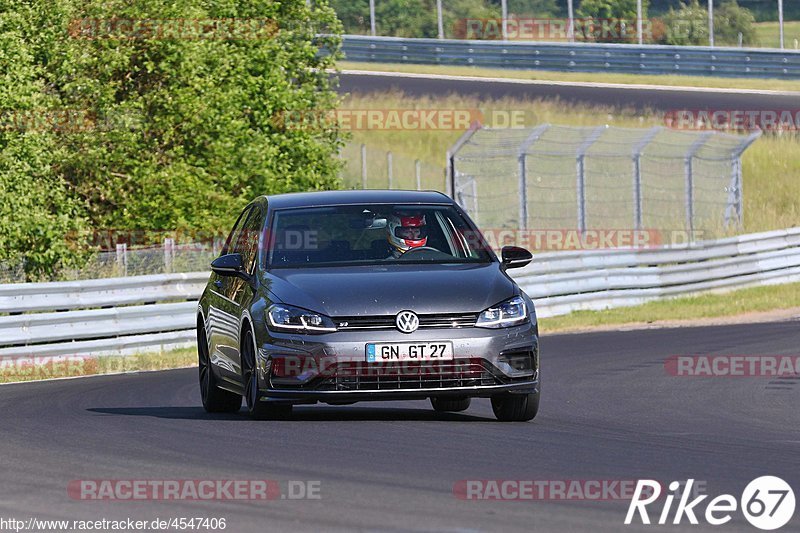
(412, 18)
(175, 133)
(688, 25)
(616, 19)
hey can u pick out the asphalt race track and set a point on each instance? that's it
(610, 412)
(638, 97)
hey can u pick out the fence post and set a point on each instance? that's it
(169, 253)
(733, 204)
(637, 175)
(418, 174)
(122, 259)
(689, 176)
(372, 18)
(450, 172)
(735, 188)
(363, 166)
(389, 167)
(523, 173)
(581, 177)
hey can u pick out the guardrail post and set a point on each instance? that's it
(363, 166)
(418, 174)
(581, 174)
(637, 175)
(689, 176)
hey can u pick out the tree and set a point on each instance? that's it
(412, 18)
(609, 20)
(534, 8)
(686, 26)
(689, 24)
(730, 20)
(181, 123)
(42, 222)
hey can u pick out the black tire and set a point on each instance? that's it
(452, 405)
(515, 407)
(215, 400)
(255, 407)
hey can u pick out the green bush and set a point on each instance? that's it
(412, 18)
(688, 25)
(175, 133)
(730, 19)
(616, 20)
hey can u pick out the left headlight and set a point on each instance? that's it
(509, 313)
(288, 318)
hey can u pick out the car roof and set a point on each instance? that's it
(355, 197)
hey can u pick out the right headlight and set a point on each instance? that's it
(509, 313)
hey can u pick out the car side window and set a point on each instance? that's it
(233, 236)
(247, 240)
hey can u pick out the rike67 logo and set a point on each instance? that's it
(767, 503)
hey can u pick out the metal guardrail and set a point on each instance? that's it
(563, 282)
(135, 314)
(100, 316)
(577, 57)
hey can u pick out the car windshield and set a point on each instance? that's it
(371, 234)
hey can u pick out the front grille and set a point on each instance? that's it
(472, 372)
(457, 320)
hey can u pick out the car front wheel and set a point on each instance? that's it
(515, 407)
(255, 407)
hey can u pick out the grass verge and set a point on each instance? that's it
(768, 34)
(587, 77)
(38, 368)
(740, 304)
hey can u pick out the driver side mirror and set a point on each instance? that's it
(515, 257)
(230, 265)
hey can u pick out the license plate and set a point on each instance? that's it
(410, 351)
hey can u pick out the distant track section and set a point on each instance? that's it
(641, 97)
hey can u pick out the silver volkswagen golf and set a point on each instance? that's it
(348, 296)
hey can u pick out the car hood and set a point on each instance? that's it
(388, 289)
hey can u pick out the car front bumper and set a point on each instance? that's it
(489, 348)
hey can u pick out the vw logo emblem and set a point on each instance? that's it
(407, 321)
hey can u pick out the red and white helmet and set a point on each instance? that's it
(407, 230)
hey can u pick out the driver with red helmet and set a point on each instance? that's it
(406, 231)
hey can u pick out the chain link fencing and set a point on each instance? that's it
(370, 168)
(140, 261)
(596, 178)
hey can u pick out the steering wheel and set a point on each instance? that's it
(425, 253)
(420, 249)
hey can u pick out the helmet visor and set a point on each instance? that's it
(411, 233)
